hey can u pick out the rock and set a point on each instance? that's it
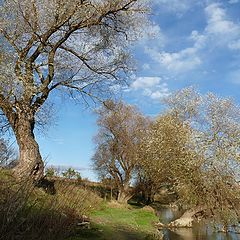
(185, 222)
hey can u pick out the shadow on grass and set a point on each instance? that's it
(102, 232)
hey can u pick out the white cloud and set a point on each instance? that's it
(145, 82)
(199, 39)
(162, 92)
(220, 31)
(218, 23)
(151, 87)
(181, 61)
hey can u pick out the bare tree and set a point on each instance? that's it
(80, 46)
(120, 129)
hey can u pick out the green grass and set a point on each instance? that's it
(135, 218)
(119, 222)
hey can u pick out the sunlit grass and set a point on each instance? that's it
(135, 218)
(113, 221)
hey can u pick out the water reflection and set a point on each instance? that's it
(198, 232)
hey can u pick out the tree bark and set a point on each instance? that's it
(124, 194)
(30, 160)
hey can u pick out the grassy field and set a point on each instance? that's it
(120, 222)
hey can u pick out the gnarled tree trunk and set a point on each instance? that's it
(124, 194)
(30, 160)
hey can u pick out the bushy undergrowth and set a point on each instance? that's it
(27, 212)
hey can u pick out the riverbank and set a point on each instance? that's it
(122, 222)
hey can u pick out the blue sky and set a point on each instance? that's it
(190, 43)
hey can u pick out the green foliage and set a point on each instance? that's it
(71, 173)
(50, 172)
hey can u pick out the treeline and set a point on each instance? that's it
(192, 148)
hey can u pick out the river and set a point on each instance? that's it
(198, 232)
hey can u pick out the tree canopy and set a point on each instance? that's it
(194, 147)
(121, 128)
(79, 47)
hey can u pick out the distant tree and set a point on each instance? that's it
(71, 173)
(51, 172)
(121, 127)
(79, 46)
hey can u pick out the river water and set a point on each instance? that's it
(198, 232)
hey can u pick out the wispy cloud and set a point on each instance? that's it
(145, 82)
(181, 61)
(59, 141)
(219, 32)
(176, 6)
(234, 45)
(153, 33)
(233, 1)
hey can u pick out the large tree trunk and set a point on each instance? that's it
(124, 194)
(30, 160)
